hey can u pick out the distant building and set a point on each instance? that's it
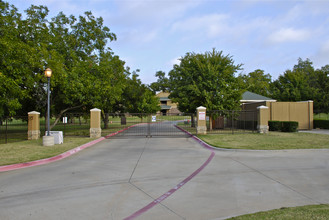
(250, 97)
(167, 106)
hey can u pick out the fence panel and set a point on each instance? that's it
(230, 122)
(13, 129)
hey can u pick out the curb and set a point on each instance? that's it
(201, 142)
(58, 157)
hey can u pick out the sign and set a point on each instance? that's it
(202, 116)
(64, 120)
(154, 118)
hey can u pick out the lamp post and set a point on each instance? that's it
(48, 73)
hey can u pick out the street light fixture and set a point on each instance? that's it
(48, 73)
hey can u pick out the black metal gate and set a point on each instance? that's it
(148, 125)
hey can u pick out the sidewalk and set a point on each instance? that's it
(316, 131)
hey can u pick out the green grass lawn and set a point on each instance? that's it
(270, 141)
(324, 116)
(30, 150)
(319, 212)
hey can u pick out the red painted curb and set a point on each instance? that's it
(58, 157)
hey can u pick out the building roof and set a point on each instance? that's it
(253, 97)
(164, 99)
(165, 107)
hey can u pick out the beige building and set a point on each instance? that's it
(167, 106)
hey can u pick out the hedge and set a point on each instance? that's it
(274, 125)
(289, 126)
(319, 123)
(284, 126)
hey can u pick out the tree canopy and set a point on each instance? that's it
(257, 82)
(205, 80)
(303, 83)
(86, 72)
(162, 83)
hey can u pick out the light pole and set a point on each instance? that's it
(48, 73)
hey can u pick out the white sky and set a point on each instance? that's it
(260, 34)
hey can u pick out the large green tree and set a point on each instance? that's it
(257, 82)
(298, 84)
(205, 80)
(86, 73)
(304, 83)
(15, 75)
(137, 97)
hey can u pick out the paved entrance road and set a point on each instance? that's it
(117, 177)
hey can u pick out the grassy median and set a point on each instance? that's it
(25, 151)
(319, 212)
(270, 141)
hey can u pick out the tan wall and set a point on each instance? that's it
(172, 104)
(163, 94)
(302, 112)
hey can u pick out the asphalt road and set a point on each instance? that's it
(120, 178)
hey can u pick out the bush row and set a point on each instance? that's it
(284, 126)
(319, 123)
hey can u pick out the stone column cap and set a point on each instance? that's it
(201, 107)
(95, 110)
(33, 113)
(262, 107)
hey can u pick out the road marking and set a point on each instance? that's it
(170, 192)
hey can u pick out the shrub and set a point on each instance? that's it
(289, 126)
(284, 126)
(274, 125)
(323, 124)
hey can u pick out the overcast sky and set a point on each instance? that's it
(260, 34)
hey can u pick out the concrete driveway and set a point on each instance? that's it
(164, 178)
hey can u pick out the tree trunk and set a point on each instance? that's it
(106, 120)
(210, 122)
(192, 121)
(61, 113)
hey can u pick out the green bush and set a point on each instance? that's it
(274, 125)
(319, 123)
(284, 126)
(289, 126)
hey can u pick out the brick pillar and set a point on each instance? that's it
(33, 131)
(201, 126)
(95, 123)
(263, 117)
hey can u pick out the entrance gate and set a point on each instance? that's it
(149, 125)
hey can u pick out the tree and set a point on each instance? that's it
(14, 75)
(321, 100)
(257, 82)
(137, 97)
(304, 83)
(205, 80)
(85, 70)
(298, 84)
(162, 84)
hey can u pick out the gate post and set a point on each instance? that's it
(263, 117)
(95, 123)
(201, 127)
(33, 132)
